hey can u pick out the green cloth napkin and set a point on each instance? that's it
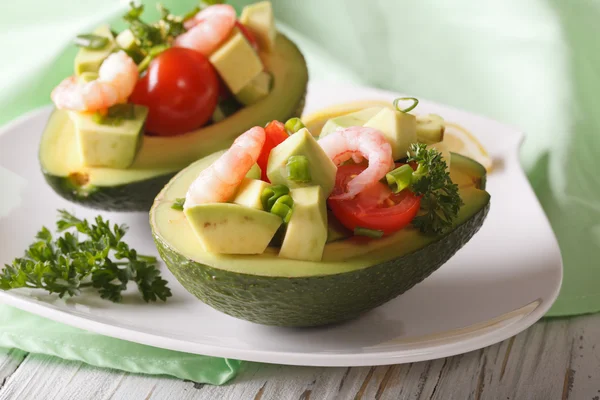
(530, 64)
(25, 331)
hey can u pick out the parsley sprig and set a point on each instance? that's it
(85, 255)
(149, 37)
(440, 200)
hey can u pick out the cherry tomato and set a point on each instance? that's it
(247, 34)
(376, 207)
(181, 89)
(275, 134)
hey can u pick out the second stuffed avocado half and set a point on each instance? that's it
(308, 270)
(118, 164)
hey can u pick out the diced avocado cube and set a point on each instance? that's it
(254, 172)
(227, 228)
(306, 233)
(302, 143)
(106, 145)
(430, 128)
(357, 118)
(88, 60)
(87, 77)
(260, 20)
(249, 193)
(236, 62)
(126, 40)
(257, 89)
(400, 129)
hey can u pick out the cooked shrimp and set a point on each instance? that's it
(117, 77)
(357, 142)
(218, 182)
(208, 29)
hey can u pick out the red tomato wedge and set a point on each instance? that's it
(275, 134)
(376, 207)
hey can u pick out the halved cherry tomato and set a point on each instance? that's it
(276, 133)
(180, 88)
(247, 34)
(376, 207)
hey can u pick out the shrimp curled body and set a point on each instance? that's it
(117, 77)
(218, 182)
(208, 29)
(357, 142)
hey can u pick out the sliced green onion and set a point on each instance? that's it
(98, 118)
(372, 233)
(124, 111)
(91, 42)
(178, 204)
(86, 77)
(409, 108)
(270, 195)
(283, 207)
(293, 125)
(400, 178)
(297, 169)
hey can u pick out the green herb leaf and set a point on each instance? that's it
(440, 199)
(85, 255)
(178, 204)
(91, 42)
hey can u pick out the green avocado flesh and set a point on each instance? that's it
(354, 276)
(159, 158)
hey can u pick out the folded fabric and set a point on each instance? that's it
(30, 333)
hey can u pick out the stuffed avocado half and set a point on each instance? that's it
(118, 158)
(306, 267)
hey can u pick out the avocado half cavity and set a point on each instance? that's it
(354, 276)
(160, 158)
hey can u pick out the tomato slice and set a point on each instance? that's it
(180, 88)
(376, 207)
(275, 134)
(247, 34)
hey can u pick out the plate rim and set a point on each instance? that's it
(384, 357)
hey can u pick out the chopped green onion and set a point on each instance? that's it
(86, 77)
(372, 233)
(98, 118)
(400, 178)
(91, 42)
(283, 207)
(297, 169)
(407, 109)
(270, 195)
(293, 125)
(178, 204)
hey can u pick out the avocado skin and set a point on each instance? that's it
(320, 300)
(130, 197)
(135, 196)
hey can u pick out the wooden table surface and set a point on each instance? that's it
(554, 359)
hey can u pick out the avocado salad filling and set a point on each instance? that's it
(145, 102)
(369, 174)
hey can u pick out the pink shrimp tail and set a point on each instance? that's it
(357, 143)
(208, 29)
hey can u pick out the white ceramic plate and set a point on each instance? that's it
(499, 284)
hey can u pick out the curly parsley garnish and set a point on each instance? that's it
(440, 200)
(85, 256)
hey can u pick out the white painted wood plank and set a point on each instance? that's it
(10, 359)
(554, 359)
